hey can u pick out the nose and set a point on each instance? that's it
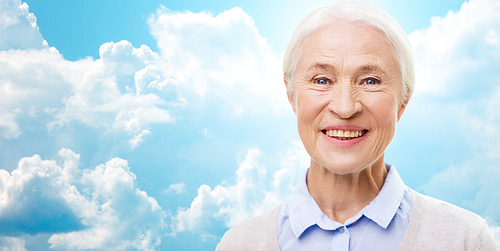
(345, 100)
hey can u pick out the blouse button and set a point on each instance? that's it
(342, 230)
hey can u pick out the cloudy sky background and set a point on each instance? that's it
(141, 126)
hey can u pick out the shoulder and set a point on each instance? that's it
(435, 224)
(258, 233)
(428, 208)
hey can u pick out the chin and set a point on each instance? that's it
(342, 168)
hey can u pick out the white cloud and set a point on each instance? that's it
(12, 244)
(91, 92)
(454, 47)
(177, 188)
(28, 83)
(102, 93)
(233, 66)
(18, 29)
(253, 193)
(137, 139)
(82, 209)
(9, 128)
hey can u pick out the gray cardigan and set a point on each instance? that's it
(434, 225)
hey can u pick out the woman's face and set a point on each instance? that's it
(347, 96)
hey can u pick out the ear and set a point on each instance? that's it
(291, 98)
(402, 108)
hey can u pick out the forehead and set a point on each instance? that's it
(347, 44)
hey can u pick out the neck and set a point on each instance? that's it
(341, 196)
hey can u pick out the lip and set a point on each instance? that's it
(344, 128)
(344, 143)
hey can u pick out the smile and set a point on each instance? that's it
(344, 135)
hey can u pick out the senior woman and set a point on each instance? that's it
(348, 71)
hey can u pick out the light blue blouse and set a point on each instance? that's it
(381, 225)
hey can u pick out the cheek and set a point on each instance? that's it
(308, 105)
(383, 108)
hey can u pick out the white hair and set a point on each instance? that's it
(359, 12)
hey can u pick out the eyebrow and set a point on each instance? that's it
(370, 68)
(321, 66)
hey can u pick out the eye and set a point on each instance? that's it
(321, 81)
(370, 81)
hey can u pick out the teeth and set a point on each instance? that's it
(344, 135)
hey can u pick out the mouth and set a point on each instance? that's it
(344, 135)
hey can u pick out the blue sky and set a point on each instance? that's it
(157, 125)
